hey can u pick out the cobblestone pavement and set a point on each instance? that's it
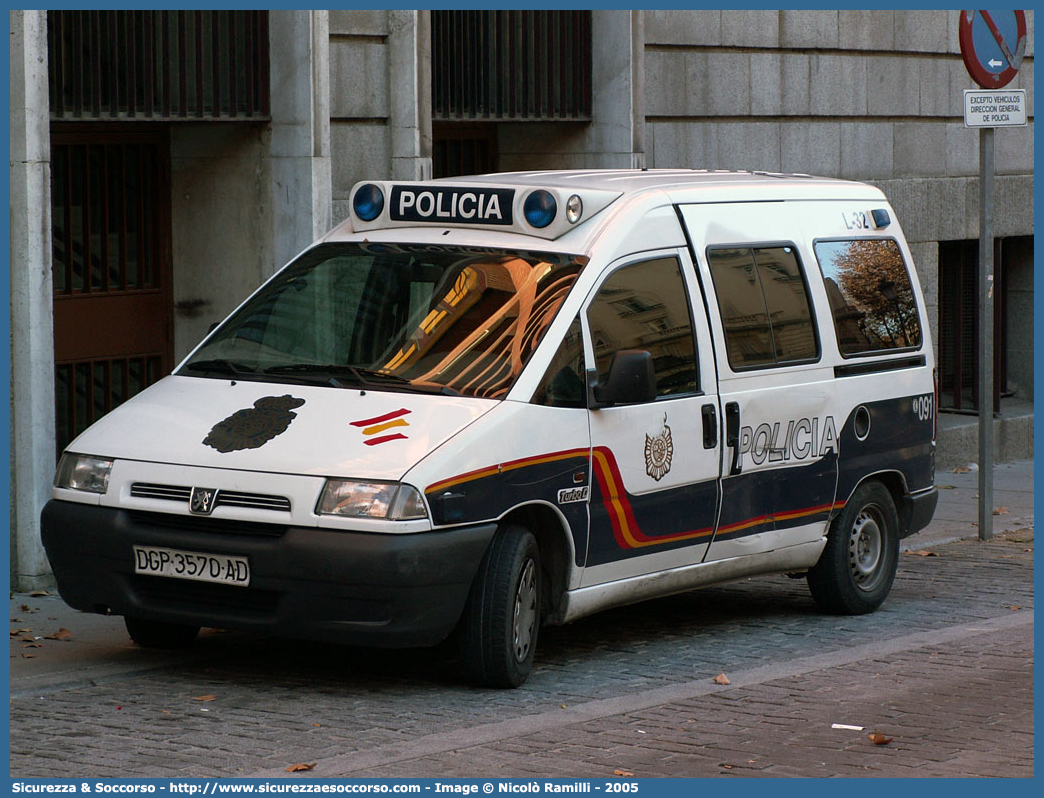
(944, 668)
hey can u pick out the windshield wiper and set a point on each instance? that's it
(222, 366)
(334, 373)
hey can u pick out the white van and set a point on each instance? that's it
(491, 403)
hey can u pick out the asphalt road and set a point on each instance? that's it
(944, 669)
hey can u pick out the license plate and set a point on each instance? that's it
(223, 569)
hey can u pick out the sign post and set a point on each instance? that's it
(992, 46)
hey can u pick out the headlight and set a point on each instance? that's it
(389, 500)
(83, 472)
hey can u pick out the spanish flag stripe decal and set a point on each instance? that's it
(384, 439)
(385, 426)
(369, 422)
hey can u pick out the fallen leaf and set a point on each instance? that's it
(1001, 511)
(61, 634)
(619, 772)
(204, 698)
(1013, 607)
(32, 644)
(27, 608)
(20, 632)
(721, 678)
(39, 593)
(28, 656)
(727, 767)
(923, 553)
(879, 739)
(300, 766)
(946, 487)
(316, 725)
(962, 470)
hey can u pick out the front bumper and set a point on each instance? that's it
(391, 590)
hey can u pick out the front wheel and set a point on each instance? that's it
(857, 567)
(160, 634)
(502, 617)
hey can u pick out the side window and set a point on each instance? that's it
(765, 306)
(563, 384)
(870, 295)
(646, 306)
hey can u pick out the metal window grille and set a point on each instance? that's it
(104, 215)
(959, 326)
(158, 65)
(511, 65)
(463, 149)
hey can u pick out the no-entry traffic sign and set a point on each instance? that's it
(992, 45)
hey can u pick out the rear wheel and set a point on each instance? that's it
(160, 634)
(857, 567)
(502, 617)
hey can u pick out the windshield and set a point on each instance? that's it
(425, 318)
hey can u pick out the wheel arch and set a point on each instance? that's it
(895, 483)
(557, 552)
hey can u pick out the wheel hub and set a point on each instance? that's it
(865, 548)
(525, 611)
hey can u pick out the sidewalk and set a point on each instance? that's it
(957, 515)
(97, 648)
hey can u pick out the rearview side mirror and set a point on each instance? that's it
(631, 380)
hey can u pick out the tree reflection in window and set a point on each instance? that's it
(870, 295)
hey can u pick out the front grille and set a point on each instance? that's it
(260, 501)
(145, 490)
(225, 498)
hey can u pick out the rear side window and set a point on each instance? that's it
(870, 293)
(765, 306)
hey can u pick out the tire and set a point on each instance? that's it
(857, 567)
(502, 616)
(160, 634)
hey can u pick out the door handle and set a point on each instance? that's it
(710, 426)
(732, 435)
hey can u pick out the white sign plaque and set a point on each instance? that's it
(1002, 108)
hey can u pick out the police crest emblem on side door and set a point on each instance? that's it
(659, 449)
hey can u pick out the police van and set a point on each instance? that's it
(486, 404)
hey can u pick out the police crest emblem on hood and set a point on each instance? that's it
(255, 426)
(659, 449)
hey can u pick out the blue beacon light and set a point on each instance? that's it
(540, 208)
(368, 202)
